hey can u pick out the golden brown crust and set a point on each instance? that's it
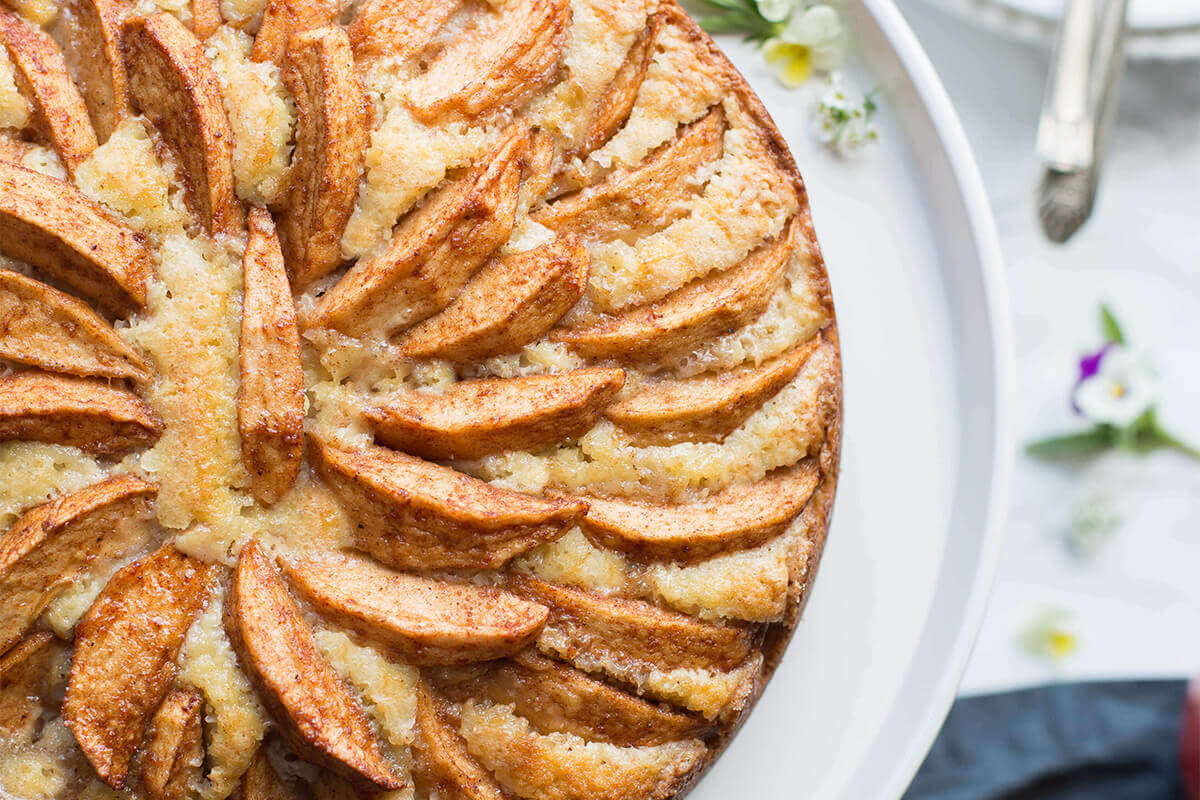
(89, 414)
(43, 327)
(282, 19)
(510, 303)
(124, 660)
(53, 544)
(557, 698)
(414, 514)
(102, 66)
(397, 28)
(433, 251)
(736, 518)
(706, 408)
(24, 678)
(443, 765)
(427, 621)
(59, 113)
(56, 228)
(320, 719)
(270, 402)
(331, 136)
(624, 629)
(678, 323)
(173, 84)
(174, 757)
(474, 418)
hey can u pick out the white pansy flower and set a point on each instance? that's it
(819, 29)
(776, 10)
(1122, 389)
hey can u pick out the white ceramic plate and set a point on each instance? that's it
(919, 290)
(1157, 28)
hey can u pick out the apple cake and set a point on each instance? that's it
(400, 398)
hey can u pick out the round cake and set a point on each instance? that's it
(400, 398)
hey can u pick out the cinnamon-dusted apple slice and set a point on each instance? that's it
(397, 28)
(497, 63)
(43, 327)
(692, 315)
(270, 402)
(707, 408)
(559, 698)
(428, 621)
(126, 647)
(206, 18)
(619, 629)
(473, 418)
(414, 514)
(653, 194)
(563, 766)
(510, 303)
(96, 48)
(319, 717)
(261, 781)
(24, 671)
(331, 137)
(735, 518)
(56, 228)
(612, 107)
(51, 545)
(173, 84)
(444, 768)
(59, 113)
(283, 18)
(174, 757)
(89, 414)
(433, 251)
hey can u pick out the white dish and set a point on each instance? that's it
(919, 289)
(1157, 28)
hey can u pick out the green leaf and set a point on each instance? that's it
(1164, 439)
(1110, 326)
(1073, 445)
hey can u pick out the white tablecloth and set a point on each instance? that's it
(1136, 604)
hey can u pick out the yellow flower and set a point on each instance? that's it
(791, 62)
(1050, 635)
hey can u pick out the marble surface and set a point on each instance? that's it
(1136, 602)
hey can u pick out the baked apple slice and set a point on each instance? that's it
(51, 545)
(397, 28)
(707, 408)
(270, 401)
(510, 303)
(444, 768)
(24, 674)
(735, 518)
(319, 717)
(654, 194)
(473, 418)
(56, 228)
(613, 106)
(495, 64)
(261, 781)
(173, 84)
(331, 137)
(684, 319)
(59, 113)
(428, 621)
(619, 629)
(206, 18)
(43, 327)
(283, 18)
(414, 514)
(124, 663)
(557, 698)
(81, 412)
(174, 759)
(433, 251)
(96, 48)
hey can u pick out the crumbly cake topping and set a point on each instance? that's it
(412, 398)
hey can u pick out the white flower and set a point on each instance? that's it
(1123, 389)
(776, 10)
(843, 121)
(819, 29)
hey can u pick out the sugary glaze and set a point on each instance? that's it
(430, 398)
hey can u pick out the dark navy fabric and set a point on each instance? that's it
(1089, 741)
